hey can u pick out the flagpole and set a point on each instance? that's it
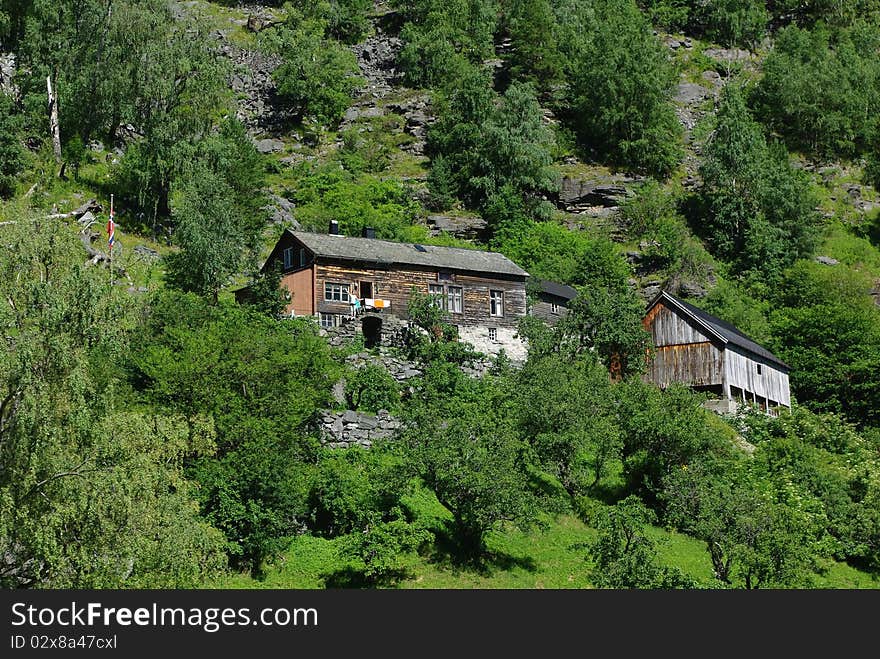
(110, 238)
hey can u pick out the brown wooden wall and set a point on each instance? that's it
(669, 328)
(542, 308)
(395, 283)
(300, 284)
(695, 364)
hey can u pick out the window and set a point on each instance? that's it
(335, 292)
(436, 292)
(288, 257)
(496, 303)
(759, 368)
(554, 308)
(448, 298)
(454, 298)
(493, 333)
(445, 276)
(329, 320)
(302, 256)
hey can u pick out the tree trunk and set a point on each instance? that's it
(53, 118)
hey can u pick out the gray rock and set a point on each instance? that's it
(368, 422)
(674, 45)
(826, 260)
(727, 54)
(577, 194)
(339, 392)
(269, 145)
(147, 254)
(692, 289)
(350, 416)
(281, 211)
(691, 93)
(460, 227)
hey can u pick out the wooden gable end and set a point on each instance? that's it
(684, 352)
(669, 327)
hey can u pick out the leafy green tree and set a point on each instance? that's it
(216, 212)
(92, 493)
(752, 538)
(492, 146)
(440, 38)
(664, 431)
(266, 294)
(354, 489)
(757, 210)
(620, 92)
(372, 388)
(11, 152)
(818, 89)
(733, 22)
(260, 380)
(566, 412)
(833, 472)
(377, 553)
(319, 75)
(210, 236)
(536, 57)
(624, 556)
(828, 330)
(463, 445)
(180, 88)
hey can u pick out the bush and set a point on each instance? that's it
(372, 388)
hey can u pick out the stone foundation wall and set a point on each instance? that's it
(350, 428)
(505, 338)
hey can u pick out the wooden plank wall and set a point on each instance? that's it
(669, 328)
(395, 284)
(691, 363)
(542, 308)
(299, 283)
(741, 371)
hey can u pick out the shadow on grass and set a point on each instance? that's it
(350, 578)
(448, 552)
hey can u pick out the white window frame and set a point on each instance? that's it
(493, 333)
(328, 320)
(288, 258)
(336, 292)
(554, 308)
(455, 299)
(438, 295)
(302, 256)
(496, 303)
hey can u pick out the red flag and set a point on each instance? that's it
(111, 228)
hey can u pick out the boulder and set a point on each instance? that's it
(269, 145)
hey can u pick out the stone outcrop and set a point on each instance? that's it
(350, 428)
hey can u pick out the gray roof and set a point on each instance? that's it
(372, 250)
(722, 329)
(558, 290)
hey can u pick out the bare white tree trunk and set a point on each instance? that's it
(53, 119)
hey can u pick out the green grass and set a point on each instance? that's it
(554, 558)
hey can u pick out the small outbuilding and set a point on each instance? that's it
(695, 348)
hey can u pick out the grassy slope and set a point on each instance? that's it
(553, 558)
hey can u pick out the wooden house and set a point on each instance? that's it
(697, 349)
(482, 292)
(550, 300)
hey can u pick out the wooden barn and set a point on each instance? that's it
(695, 348)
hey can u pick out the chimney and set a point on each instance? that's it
(368, 232)
(334, 228)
